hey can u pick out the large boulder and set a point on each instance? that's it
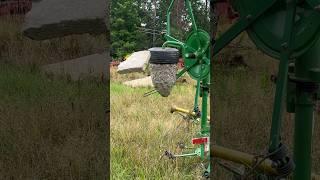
(136, 62)
(92, 65)
(56, 18)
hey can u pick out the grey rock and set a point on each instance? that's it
(93, 65)
(56, 18)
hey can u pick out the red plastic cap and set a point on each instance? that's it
(202, 140)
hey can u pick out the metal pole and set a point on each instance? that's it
(303, 134)
(204, 113)
(308, 75)
(154, 23)
(213, 30)
(282, 77)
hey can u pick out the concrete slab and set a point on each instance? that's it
(143, 82)
(56, 18)
(93, 65)
(137, 62)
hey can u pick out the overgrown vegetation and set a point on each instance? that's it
(50, 127)
(242, 110)
(15, 48)
(142, 128)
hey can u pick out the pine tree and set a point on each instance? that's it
(125, 36)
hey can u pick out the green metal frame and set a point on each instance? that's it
(301, 102)
(295, 85)
(196, 54)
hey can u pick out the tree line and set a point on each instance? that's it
(139, 24)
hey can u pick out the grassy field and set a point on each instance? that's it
(242, 109)
(143, 127)
(15, 48)
(243, 102)
(50, 127)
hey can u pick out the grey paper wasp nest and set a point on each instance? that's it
(163, 64)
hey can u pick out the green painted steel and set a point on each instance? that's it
(205, 128)
(243, 23)
(196, 55)
(307, 70)
(303, 134)
(268, 31)
(286, 53)
(289, 31)
(315, 4)
(197, 71)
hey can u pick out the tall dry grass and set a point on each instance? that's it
(242, 102)
(50, 127)
(242, 110)
(16, 48)
(142, 128)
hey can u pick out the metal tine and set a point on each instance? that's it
(150, 93)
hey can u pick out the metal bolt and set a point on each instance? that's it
(284, 45)
(249, 17)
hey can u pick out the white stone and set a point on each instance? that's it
(92, 65)
(136, 62)
(56, 18)
(143, 82)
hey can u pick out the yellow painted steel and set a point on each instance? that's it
(315, 177)
(242, 158)
(181, 110)
(246, 159)
(237, 156)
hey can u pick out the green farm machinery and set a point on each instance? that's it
(287, 30)
(196, 54)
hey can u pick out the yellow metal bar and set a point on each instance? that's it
(191, 113)
(237, 156)
(247, 159)
(241, 158)
(315, 177)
